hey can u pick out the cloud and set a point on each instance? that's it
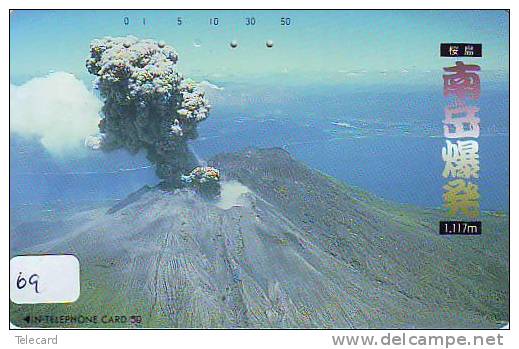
(352, 72)
(231, 192)
(57, 109)
(206, 85)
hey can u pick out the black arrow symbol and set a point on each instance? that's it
(27, 318)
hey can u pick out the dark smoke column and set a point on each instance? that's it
(147, 103)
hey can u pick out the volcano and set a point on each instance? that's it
(289, 248)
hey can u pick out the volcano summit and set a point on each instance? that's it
(293, 248)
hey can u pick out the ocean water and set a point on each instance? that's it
(388, 143)
(337, 91)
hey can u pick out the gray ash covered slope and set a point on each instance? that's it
(300, 250)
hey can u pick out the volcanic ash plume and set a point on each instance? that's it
(147, 103)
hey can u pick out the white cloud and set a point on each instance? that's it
(206, 85)
(58, 109)
(231, 192)
(352, 72)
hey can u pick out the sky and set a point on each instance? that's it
(351, 50)
(317, 45)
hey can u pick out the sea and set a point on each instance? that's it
(385, 141)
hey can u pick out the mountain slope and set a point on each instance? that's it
(299, 250)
